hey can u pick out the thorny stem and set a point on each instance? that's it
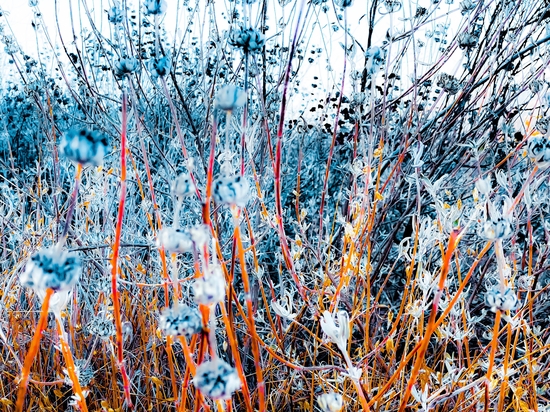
(33, 350)
(115, 256)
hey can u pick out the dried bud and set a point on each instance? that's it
(232, 190)
(331, 402)
(217, 379)
(498, 300)
(250, 40)
(496, 229)
(84, 146)
(210, 288)
(115, 15)
(159, 67)
(375, 58)
(230, 97)
(538, 149)
(155, 7)
(183, 186)
(52, 269)
(180, 321)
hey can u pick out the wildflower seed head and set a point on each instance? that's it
(84, 373)
(84, 146)
(230, 97)
(52, 269)
(155, 7)
(210, 288)
(180, 320)
(232, 190)
(496, 229)
(101, 326)
(115, 15)
(392, 6)
(375, 58)
(467, 41)
(125, 67)
(183, 186)
(538, 150)
(159, 66)
(249, 40)
(343, 3)
(501, 300)
(330, 402)
(175, 240)
(448, 83)
(217, 379)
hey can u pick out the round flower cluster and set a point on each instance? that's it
(538, 149)
(180, 320)
(217, 379)
(330, 402)
(210, 288)
(183, 240)
(496, 229)
(84, 146)
(52, 269)
(230, 97)
(250, 40)
(232, 190)
(496, 299)
(183, 186)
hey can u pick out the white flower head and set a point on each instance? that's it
(180, 320)
(84, 146)
(484, 186)
(495, 229)
(501, 300)
(52, 268)
(331, 402)
(337, 333)
(175, 240)
(232, 190)
(210, 288)
(230, 97)
(183, 186)
(538, 150)
(217, 379)
(285, 308)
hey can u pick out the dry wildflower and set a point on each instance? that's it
(330, 402)
(180, 320)
(501, 300)
(175, 240)
(232, 190)
(249, 40)
(183, 186)
(210, 288)
(495, 229)
(155, 7)
(84, 146)
(125, 67)
(101, 326)
(217, 379)
(52, 268)
(230, 97)
(538, 150)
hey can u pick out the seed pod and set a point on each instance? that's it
(102, 327)
(230, 97)
(180, 321)
(84, 146)
(51, 268)
(330, 402)
(232, 190)
(217, 379)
